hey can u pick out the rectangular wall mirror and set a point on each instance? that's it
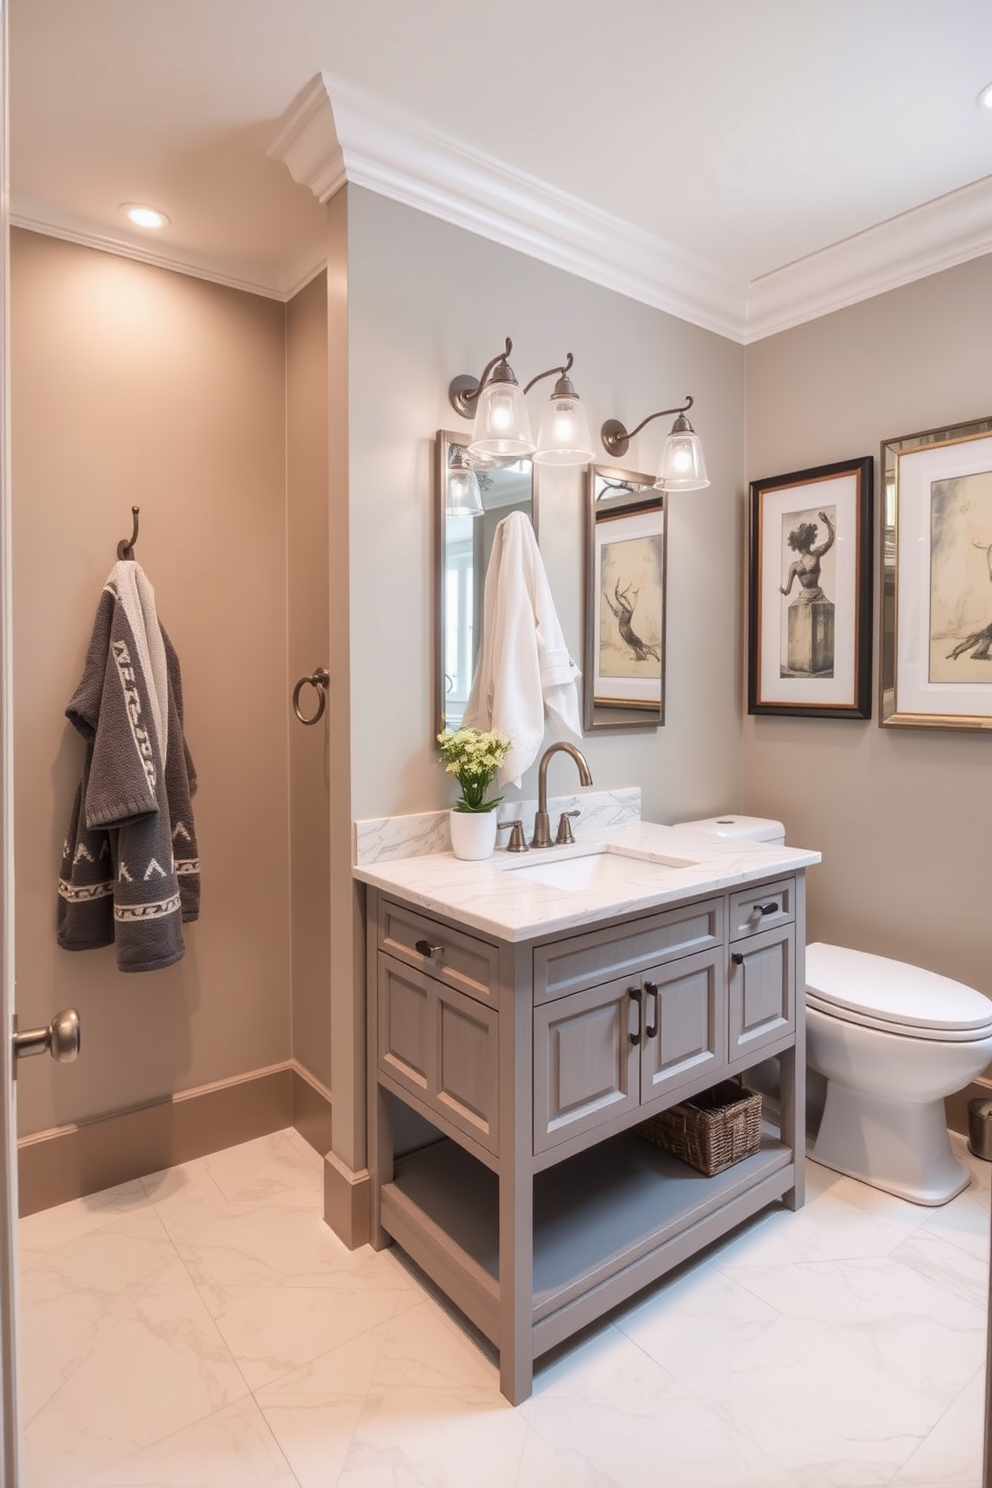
(463, 546)
(624, 601)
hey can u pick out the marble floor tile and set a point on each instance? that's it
(163, 1366)
(204, 1327)
(272, 1332)
(230, 1448)
(695, 1326)
(951, 1455)
(39, 1234)
(243, 1245)
(947, 1264)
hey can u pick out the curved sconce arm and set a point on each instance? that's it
(563, 387)
(616, 439)
(464, 389)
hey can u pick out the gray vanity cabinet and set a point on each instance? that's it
(612, 1048)
(539, 1206)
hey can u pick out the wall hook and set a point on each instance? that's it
(125, 548)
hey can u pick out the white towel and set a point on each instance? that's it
(525, 674)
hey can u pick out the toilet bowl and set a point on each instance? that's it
(890, 1041)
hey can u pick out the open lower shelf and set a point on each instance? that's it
(596, 1214)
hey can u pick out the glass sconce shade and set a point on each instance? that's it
(682, 465)
(563, 436)
(463, 497)
(501, 427)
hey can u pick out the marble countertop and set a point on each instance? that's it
(499, 897)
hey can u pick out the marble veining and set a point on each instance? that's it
(265, 1354)
(493, 896)
(391, 838)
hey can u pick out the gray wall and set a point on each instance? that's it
(133, 385)
(903, 818)
(427, 301)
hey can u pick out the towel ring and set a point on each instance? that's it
(319, 682)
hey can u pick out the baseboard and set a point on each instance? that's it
(68, 1162)
(347, 1201)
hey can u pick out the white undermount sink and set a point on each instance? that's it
(604, 868)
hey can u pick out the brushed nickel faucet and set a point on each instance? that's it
(542, 826)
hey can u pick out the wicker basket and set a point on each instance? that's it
(712, 1131)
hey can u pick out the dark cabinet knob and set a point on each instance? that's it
(737, 958)
(426, 949)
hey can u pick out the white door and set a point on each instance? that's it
(61, 1038)
(8, 1168)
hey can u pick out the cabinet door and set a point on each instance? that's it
(442, 1047)
(762, 991)
(585, 1061)
(685, 1024)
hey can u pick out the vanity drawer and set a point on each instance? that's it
(442, 1047)
(626, 950)
(762, 907)
(452, 956)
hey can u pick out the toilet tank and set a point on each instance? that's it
(741, 828)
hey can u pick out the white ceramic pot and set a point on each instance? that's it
(473, 834)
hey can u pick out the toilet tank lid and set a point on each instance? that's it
(893, 991)
(745, 828)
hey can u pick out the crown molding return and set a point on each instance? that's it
(944, 232)
(334, 132)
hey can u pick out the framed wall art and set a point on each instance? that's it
(624, 673)
(936, 622)
(809, 599)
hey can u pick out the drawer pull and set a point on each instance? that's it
(738, 958)
(772, 907)
(651, 988)
(426, 949)
(634, 993)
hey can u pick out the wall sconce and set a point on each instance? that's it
(682, 465)
(502, 427)
(462, 495)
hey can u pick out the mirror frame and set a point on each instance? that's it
(635, 494)
(443, 442)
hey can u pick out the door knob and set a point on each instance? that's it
(61, 1038)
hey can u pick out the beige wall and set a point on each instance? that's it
(903, 818)
(427, 301)
(307, 626)
(131, 384)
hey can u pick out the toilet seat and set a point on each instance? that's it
(893, 996)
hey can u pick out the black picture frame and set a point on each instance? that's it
(810, 592)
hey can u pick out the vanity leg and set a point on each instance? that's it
(516, 1190)
(380, 1160)
(793, 1122)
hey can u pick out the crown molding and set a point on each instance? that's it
(334, 132)
(40, 218)
(944, 232)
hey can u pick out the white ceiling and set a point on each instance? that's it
(741, 152)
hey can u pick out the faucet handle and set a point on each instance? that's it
(517, 842)
(565, 828)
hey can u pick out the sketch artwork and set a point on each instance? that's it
(961, 578)
(631, 591)
(807, 648)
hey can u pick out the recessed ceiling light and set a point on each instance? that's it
(984, 99)
(143, 216)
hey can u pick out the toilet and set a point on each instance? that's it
(891, 1041)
